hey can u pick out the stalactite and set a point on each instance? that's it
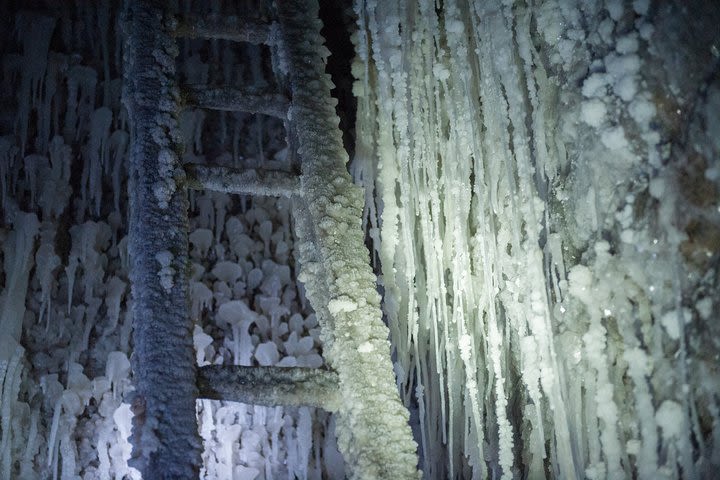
(541, 184)
(510, 147)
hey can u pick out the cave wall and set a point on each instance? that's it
(545, 212)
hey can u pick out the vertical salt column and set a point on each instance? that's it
(165, 440)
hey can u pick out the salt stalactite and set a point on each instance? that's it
(114, 292)
(103, 23)
(76, 321)
(35, 32)
(18, 251)
(47, 110)
(96, 157)
(47, 263)
(81, 83)
(8, 153)
(18, 261)
(118, 151)
(532, 293)
(57, 191)
(547, 249)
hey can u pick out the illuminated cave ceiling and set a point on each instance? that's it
(542, 203)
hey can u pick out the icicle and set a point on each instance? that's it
(34, 166)
(96, 156)
(115, 290)
(639, 369)
(56, 65)
(221, 202)
(35, 32)
(11, 355)
(55, 191)
(206, 216)
(103, 19)
(47, 261)
(31, 449)
(18, 262)
(70, 269)
(304, 436)
(117, 370)
(52, 456)
(118, 149)
(81, 83)
(191, 126)
(8, 151)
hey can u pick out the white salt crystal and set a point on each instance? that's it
(627, 236)
(627, 44)
(646, 30)
(254, 278)
(671, 419)
(311, 360)
(615, 9)
(626, 87)
(614, 138)
(296, 323)
(117, 369)
(288, 361)
(267, 354)
(241, 472)
(341, 304)
(704, 307)
(201, 341)
(641, 6)
(593, 112)
(200, 239)
(641, 110)
(657, 187)
(605, 30)
(595, 85)
(228, 272)
(441, 72)
(165, 258)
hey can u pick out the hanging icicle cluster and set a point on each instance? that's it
(529, 225)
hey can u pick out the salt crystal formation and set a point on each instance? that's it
(541, 186)
(546, 218)
(65, 322)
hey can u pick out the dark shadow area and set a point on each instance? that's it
(338, 22)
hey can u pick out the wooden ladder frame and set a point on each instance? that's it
(372, 423)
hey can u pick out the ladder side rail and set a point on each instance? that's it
(165, 439)
(373, 431)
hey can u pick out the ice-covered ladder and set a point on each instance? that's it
(372, 423)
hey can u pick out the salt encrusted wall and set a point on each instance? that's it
(547, 218)
(65, 329)
(546, 176)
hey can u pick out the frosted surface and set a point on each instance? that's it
(541, 188)
(543, 277)
(65, 336)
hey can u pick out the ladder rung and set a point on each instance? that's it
(225, 28)
(236, 100)
(273, 183)
(270, 386)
